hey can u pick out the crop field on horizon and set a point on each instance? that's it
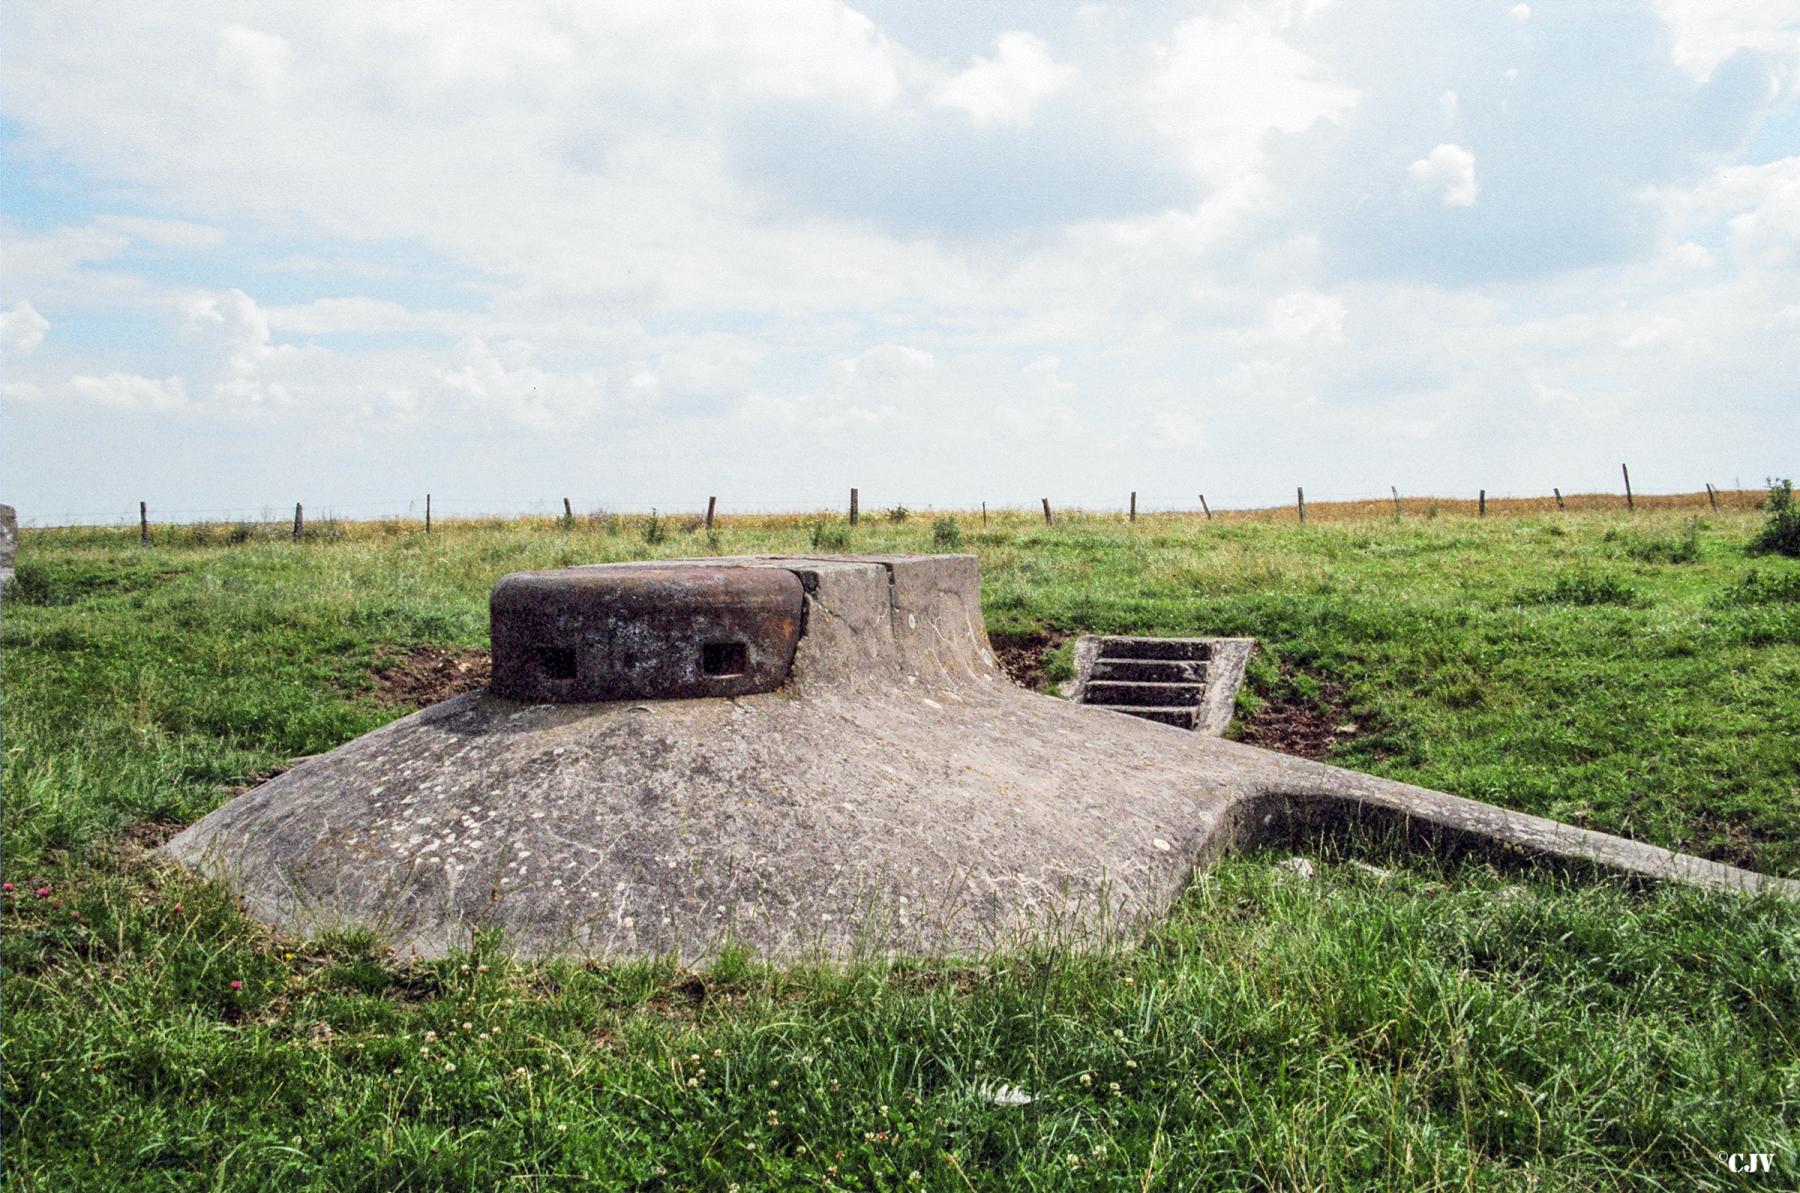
(1393, 1021)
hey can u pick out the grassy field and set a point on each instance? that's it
(1392, 1022)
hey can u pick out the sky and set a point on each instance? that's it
(639, 254)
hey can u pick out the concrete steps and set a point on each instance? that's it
(1190, 683)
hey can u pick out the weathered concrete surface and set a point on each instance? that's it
(9, 542)
(895, 794)
(586, 634)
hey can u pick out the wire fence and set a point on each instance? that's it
(1302, 505)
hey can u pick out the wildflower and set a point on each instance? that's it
(236, 984)
(520, 1072)
(7, 887)
(467, 1026)
(481, 969)
(42, 892)
(884, 1108)
(1118, 1033)
(431, 1037)
(561, 1127)
(1087, 1079)
(1099, 1151)
(177, 907)
(1131, 1064)
(694, 1057)
(449, 1066)
(718, 1052)
(773, 1084)
(692, 1083)
(76, 914)
(913, 1177)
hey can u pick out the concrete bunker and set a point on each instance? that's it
(806, 756)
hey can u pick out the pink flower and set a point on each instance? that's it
(236, 985)
(177, 907)
(42, 892)
(7, 887)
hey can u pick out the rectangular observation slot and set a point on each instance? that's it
(723, 660)
(556, 662)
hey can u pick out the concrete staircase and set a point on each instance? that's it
(1190, 683)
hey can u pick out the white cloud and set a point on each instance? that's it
(1706, 32)
(1759, 207)
(128, 391)
(1306, 317)
(1448, 170)
(1222, 84)
(1007, 88)
(21, 330)
(253, 60)
(326, 316)
(182, 235)
(1520, 13)
(506, 377)
(888, 362)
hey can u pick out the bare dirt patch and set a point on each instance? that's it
(1022, 655)
(1295, 724)
(151, 835)
(423, 675)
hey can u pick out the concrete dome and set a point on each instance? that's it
(864, 780)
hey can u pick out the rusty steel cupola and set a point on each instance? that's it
(806, 756)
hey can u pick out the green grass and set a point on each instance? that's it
(1439, 1026)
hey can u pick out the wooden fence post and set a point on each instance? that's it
(1046, 511)
(1394, 489)
(853, 507)
(984, 513)
(1712, 497)
(1300, 503)
(299, 522)
(1481, 505)
(1205, 508)
(427, 513)
(711, 502)
(1134, 505)
(1628, 502)
(1559, 500)
(143, 524)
